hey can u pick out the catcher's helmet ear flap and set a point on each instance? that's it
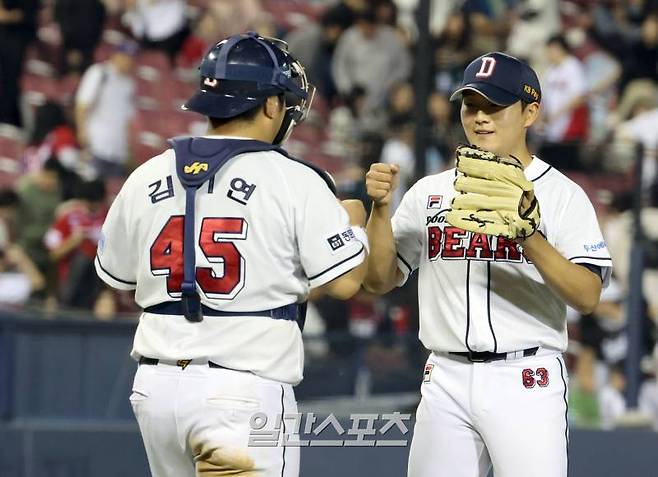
(239, 73)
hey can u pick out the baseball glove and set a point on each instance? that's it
(490, 195)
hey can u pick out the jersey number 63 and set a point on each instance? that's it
(225, 278)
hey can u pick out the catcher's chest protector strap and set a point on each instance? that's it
(198, 160)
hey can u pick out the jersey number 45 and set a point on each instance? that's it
(225, 278)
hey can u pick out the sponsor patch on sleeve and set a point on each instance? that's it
(594, 247)
(338, 241)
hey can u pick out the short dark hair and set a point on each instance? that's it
(52, 164)
(8, 198)
(93, 191)
(561, 41)
(367, 15)
(248, 115)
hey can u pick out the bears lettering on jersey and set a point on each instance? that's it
(452, 243)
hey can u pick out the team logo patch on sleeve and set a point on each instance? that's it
(434, 201)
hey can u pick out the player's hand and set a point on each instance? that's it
(356, 211)
(381, 181)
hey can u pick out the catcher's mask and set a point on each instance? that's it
(241, 72)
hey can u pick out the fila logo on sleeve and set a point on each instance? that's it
(486, 68)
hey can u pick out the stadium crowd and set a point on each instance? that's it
(89, 89)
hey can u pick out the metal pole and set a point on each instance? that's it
(422, 84)
(635, 307)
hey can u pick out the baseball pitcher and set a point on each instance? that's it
(502, 243)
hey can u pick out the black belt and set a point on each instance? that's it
(487, 356)
(291, 312)
(182, 363)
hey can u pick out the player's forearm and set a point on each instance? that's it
(576, 285)
(382, 262)
(347, 285)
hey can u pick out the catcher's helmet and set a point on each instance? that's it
(241, 72)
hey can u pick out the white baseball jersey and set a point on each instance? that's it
(478, 292)
(267, 229)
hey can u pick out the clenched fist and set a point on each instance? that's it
(356, 211)
(381, 181)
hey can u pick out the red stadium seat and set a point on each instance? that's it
(11, 146)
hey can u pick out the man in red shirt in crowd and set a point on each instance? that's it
(72, 240)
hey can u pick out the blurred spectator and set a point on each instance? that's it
(490, 21)
(18, 27)
(648, 398)
(399, 149)
(564, 104)
(237, 16)
(39, 194)
(641, 59)
(371, 56)
(612, 403)
(401, 103)
(386, 13)
(348, 11)
(602, 72)
(638, 94)
(600, 366)
(81, 25)
(159, 24)
(72, 240)
(534, 22)
(446, 132)
(352, 121)
(614, 23)
(618, 230)
(642, 129)
(52, 136)
(104, 107)
(18, 275)
(314, 46)
(204, 35)
(19, 278)
(453, 50)
(8, 208)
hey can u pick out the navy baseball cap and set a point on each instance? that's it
(502, 79)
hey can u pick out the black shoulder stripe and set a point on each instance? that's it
(607, 259)
(406, 264)
(542, 174)
(338, 264)
(112, 276)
